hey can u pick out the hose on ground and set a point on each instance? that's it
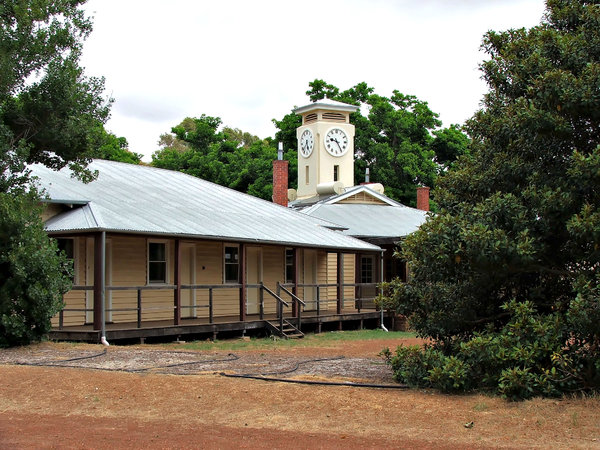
(61, 363)
(316, 382)
(265, 377)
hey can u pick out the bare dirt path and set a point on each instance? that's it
(107, 402)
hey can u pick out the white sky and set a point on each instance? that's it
(248, 62)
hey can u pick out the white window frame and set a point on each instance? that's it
(225, 246)
(167, 261)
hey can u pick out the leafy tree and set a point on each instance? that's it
(397, 139)
(229, 157)
(517, 237)
(33, 275)
(49, 110)
(50, 113)
(286, 134)
(115, 148)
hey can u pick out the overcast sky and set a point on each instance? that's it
(248, 62)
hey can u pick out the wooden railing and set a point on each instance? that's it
(300, 304)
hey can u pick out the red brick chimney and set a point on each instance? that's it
(423, 198)
(280, 179)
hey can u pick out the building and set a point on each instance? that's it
(326, 191)
(161, 253)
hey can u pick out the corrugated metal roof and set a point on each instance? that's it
(375, 221)
(391, 220)
(140, 199)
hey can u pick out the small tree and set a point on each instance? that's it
(33, 275)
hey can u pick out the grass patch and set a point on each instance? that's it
(310, 340)
(480, 406)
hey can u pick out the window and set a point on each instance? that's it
(232, 264)
(67, 246)
(336, 173)
(307, 175)
(157, 262)
(366, 269)
(289, 265)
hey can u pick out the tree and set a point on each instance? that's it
(511, 260)
(50, 113)
(230, 157)
(33, 275)
(114, 148)
(49, 110)
(397, 139)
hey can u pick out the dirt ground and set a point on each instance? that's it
(67, 396)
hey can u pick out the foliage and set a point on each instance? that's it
(398, 139)
(33, 275)
(229, 157)
(50, 113)
(49, 110)
(114, 148)
(518, 220)
(527, 357)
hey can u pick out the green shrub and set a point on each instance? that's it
(531, 355)
(33, 275)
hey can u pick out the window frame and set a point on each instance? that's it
(364, 268)
(166, 261)
(286, 265)
(225, 263)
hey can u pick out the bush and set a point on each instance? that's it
(531, 355)
(33, 275)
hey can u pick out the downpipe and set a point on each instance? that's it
(103, 340)
(381, 289)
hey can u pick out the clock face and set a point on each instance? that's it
(307, 142)
(336, 142)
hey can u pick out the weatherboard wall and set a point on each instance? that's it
(202, 263)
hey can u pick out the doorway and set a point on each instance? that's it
(89, 280)
(188, 276)
(253, 276)
(310, 278)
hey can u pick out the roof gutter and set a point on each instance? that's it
(231, 239)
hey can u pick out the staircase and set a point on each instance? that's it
(288, 331)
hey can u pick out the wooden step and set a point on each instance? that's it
(288, 331)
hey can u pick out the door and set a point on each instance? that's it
(253, 276)
(367, 275)
(188, 276)
(310, 278)
(108, 294)
(89, 280)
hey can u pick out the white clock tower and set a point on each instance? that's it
(325, 148)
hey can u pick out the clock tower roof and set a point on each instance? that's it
(327, 104)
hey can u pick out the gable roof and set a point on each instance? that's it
(385, 220)
(136, 199)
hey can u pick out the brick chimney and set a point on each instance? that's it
(280, 178)
(423, 198)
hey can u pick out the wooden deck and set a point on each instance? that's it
(202, 328)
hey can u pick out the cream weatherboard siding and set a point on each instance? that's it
(202, 262)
